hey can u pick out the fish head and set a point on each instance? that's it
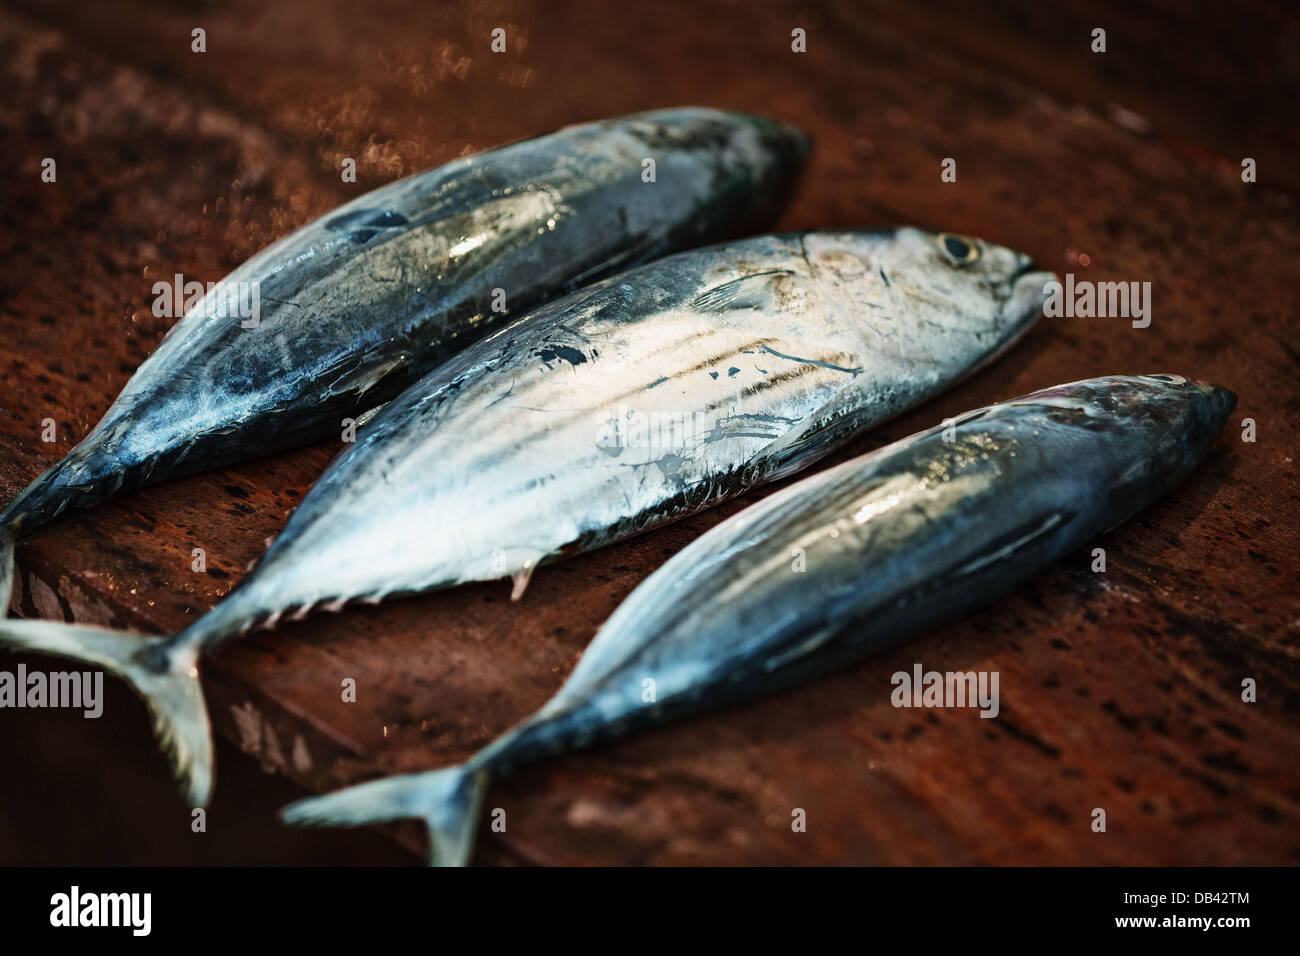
(1157, 427)
(949, 283)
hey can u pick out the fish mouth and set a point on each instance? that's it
(789, 142)
(801, 141)
(1224, 399)
(1028, 291)
(1026, 265)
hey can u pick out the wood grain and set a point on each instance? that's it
(1119, 691)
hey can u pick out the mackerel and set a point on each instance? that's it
(887, 545)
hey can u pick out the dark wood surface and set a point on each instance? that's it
(1119, 691)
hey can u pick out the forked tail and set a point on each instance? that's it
(165, 674)
(446, 800)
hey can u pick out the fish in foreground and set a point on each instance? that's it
(740, 362)
(895, 542)
(364, 301)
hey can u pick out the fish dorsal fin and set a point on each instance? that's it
(758, 291)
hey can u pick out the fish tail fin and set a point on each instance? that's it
(163, 672)
(446, 800)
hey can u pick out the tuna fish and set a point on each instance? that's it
(884, 546)
(628, 404)
(345, 313)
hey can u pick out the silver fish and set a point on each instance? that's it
(760, 356)
(893, 543)
(363, 302)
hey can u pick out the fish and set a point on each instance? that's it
(834, 568)
(358, 305)
(768, 353)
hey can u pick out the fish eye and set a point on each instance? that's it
(960, 252)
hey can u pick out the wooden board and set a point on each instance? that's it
(1119, 690)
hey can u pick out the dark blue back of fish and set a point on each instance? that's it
(850, 561)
